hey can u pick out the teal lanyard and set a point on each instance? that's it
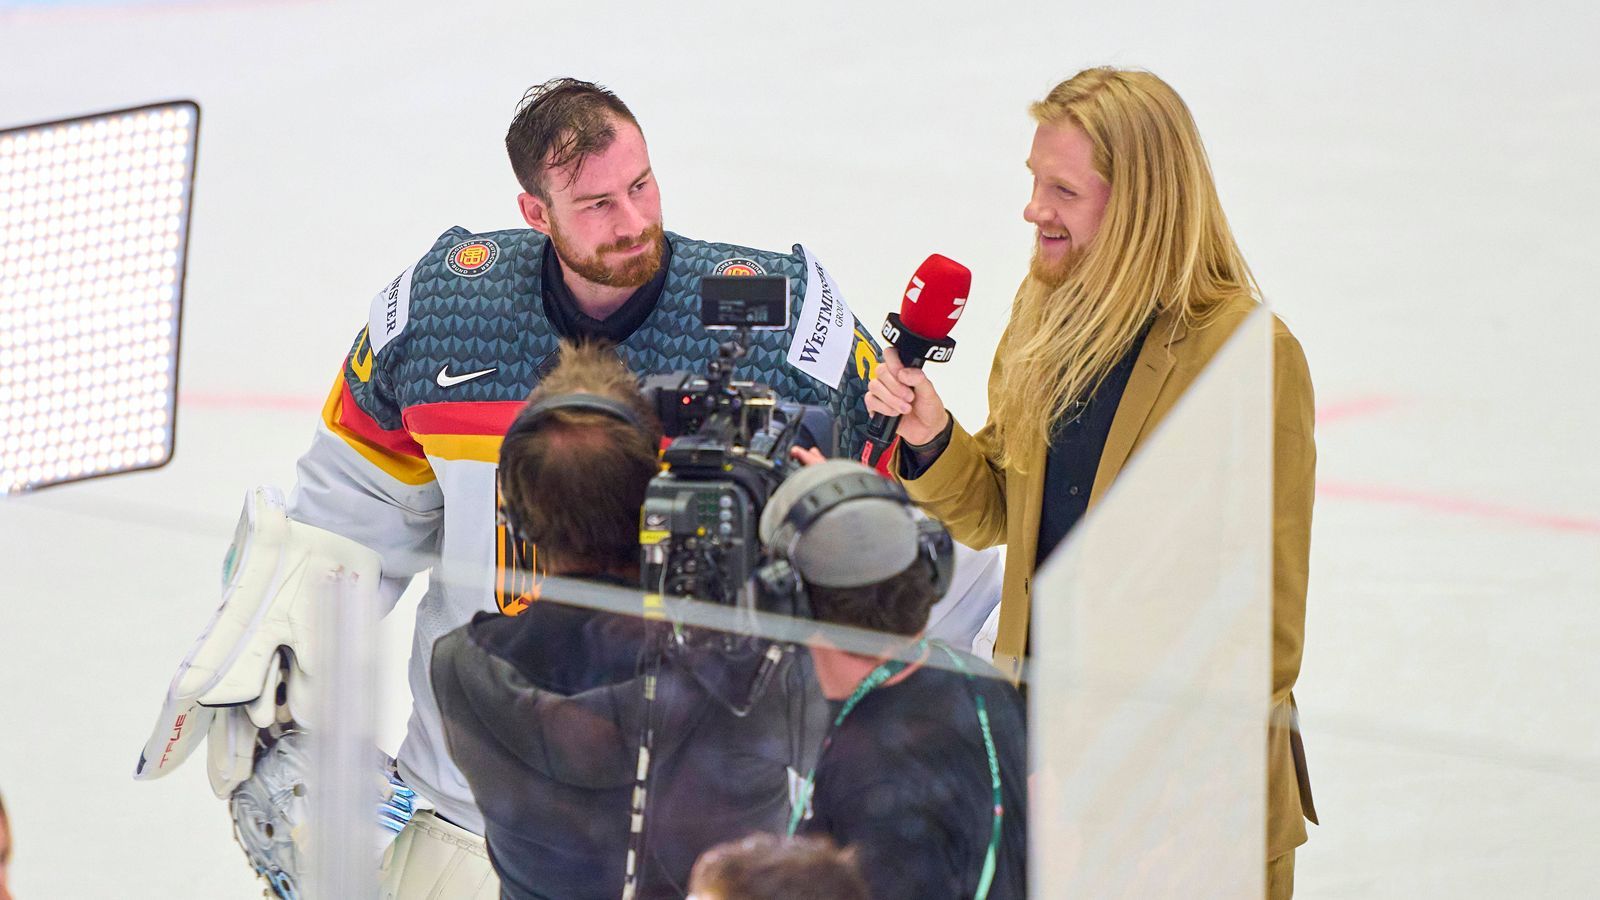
(876, 679)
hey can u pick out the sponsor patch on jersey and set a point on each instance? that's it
(390, 311)
(824, 330)
(738, 266)
(470, 259)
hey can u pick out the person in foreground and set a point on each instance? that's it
(766, 867)
(1135, 284)
(923, 772)
(545, 712)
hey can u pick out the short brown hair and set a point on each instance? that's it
(575, 482)
(898, 604)
(766, 867)
(560, 123)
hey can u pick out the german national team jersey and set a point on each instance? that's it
(404, 459)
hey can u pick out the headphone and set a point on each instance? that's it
(779, 578)
(535, 414)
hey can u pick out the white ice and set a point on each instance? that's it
(1414, 185)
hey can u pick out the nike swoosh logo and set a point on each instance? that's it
(445, 379)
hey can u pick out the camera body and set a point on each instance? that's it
(728, 450)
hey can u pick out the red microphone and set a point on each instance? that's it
(920, 333)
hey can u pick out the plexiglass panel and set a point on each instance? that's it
(1149, 679)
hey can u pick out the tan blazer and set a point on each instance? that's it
(984, 504)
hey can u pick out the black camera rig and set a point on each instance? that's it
(729, 449)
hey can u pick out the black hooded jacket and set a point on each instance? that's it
(553, 771)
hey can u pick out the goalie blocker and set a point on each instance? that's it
(247, 683)
(227, 685)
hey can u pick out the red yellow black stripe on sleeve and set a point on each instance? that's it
(460, 430)
(395, 452)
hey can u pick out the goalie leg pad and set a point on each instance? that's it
(271, 811)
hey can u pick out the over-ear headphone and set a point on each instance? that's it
(780, 578)
(534, 414)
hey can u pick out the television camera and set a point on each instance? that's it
(728, 450)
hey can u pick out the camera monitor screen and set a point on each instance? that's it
(745, 301)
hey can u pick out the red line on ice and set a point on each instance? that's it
(1354, 408)
(204, 400)
(1458, 506)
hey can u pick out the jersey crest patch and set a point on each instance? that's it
(738, 266)
(469, 259)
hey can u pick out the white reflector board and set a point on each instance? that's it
(1150, 679)
(94, 223)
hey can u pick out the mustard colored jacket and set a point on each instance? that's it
(984, 504)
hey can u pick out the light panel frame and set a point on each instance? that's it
(94, 239)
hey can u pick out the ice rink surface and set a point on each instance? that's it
(1413, 184)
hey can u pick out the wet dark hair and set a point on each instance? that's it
(561, 123)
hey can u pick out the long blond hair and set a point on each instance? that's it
(1163, 244)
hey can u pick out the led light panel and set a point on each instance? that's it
(94, 224)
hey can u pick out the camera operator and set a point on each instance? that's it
(546, 712)
(923, 771)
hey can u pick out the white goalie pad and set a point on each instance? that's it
(274, 575)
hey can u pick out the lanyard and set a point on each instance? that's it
(876, 679)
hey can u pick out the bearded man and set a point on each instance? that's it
(1136, 282)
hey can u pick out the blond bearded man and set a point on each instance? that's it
(1135, 283)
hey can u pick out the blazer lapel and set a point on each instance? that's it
(1149, 375)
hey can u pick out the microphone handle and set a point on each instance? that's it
(881, 428)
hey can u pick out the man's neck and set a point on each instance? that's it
(597, 301)
(839, 672)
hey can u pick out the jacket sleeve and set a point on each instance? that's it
(365, 478)
(965, 487)
(1294, 456)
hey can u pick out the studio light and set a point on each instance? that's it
(94, 227)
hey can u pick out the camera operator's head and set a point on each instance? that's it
(575, 464)
(860, 550)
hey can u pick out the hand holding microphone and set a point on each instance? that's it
(933, 302)
(908, 394)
